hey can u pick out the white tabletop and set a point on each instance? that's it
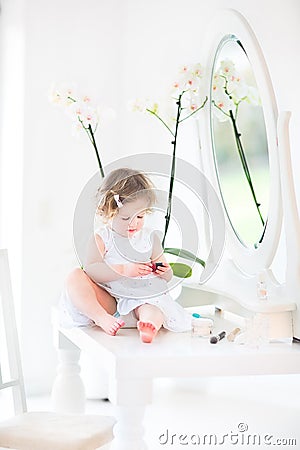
(181, 355)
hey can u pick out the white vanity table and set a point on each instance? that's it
(132, 365)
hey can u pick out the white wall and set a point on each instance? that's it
(66, 41)
(11, 135)
(116, 50)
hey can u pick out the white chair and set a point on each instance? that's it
(39, 430)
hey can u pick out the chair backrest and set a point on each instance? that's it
(11, 375)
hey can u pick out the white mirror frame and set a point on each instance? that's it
(229, 22)
(236, 277)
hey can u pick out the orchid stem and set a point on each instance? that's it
(173, 165)
(245, 164)
(162, 121)
(220, 109)
(90, 133)
(172, 177)
(194, 112)
(96, 150)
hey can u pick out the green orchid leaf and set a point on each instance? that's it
(184, 254)
(181, 270)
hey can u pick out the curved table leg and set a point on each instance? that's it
(68, 394)
(131, 397)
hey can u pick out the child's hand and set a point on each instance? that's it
(162, 269)
(137, 269)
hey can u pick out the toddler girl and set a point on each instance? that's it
(122, 263)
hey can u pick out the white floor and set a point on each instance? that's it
(234, 413)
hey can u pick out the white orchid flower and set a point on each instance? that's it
(86, 99)
(184, 69)
(84, 113)
(154, 107)
(223, 104)
(79, 107)
(187, 91)
(138, 105)
(190, 103)
(227, 82)
(188, 79)
(218, 83)
(237, 88)
(184, 74)
(227, 67)
(143, 105)
(62, 95)
(178, 86)
(76, 129)
(198, 70)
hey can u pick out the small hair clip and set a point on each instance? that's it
(118, 201)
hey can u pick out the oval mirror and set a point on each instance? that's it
(239, 141)
(254, 216)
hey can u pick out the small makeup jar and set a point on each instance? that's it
(201, 326)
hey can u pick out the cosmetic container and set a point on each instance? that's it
(201, 326)
(261, 287)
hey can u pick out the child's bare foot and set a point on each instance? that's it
(147, 331)
(110, 324)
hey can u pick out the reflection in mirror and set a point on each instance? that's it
(239, 142)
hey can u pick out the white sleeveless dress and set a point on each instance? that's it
(135, 291)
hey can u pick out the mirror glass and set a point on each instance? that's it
(239, 140)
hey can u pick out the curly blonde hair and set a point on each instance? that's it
(129, 184)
